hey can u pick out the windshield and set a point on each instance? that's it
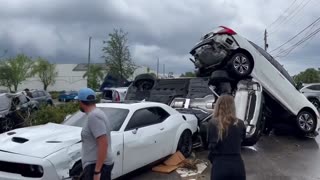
(116, 117)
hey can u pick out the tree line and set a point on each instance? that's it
(116, 54)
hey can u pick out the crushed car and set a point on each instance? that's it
(270, 95)
(113, 94)
(52, 151)
(15, 110)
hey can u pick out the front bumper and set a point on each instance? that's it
(49, 171)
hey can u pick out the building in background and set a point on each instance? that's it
(70, 77)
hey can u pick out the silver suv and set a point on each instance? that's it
(312, 92)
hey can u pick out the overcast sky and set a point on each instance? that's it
(59, 29)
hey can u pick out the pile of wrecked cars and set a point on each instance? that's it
(15, 110)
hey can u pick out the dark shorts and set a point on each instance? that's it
(88, 172)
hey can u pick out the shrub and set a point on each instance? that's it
(54, 94)
(54, 114)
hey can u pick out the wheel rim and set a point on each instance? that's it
(306, 122)
(185, 145)
(241, 64)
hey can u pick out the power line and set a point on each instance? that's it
(281, 15)
(296, 35)
(291, 48)
(269, 27)
(290, 16)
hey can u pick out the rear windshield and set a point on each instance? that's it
(116, 117)
(275, 63)
(107, 94)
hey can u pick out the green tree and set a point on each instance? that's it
(15, 70)
(46, 72)
(95, 75)
(117, 55)
(188, 74)
(310, 75)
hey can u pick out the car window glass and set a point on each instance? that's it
(41, 93)
(147, 117)
(5, 102)
(317, 87)
(23, 99)
(35, 94)
(116, 116)
(314, 87)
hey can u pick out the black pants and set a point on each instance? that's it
(88, 172)
(228, 168)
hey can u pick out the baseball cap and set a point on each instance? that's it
(86, 94)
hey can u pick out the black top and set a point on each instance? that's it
(230, 143)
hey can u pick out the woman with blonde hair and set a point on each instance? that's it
(225, 134)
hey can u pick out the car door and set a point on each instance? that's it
(144, 139)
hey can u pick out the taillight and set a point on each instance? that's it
(117, 98)
(226, 30)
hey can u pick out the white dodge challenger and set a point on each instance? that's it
(141, 134)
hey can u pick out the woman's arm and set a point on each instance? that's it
(212, 136)
(212, 139)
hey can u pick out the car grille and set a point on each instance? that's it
(25, 170)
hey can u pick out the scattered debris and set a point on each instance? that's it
(171, 164)
(184, 167)
(192, 168)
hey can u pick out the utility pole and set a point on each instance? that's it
(164, 70)
(265, 40)
(88, 70)
(157, 67)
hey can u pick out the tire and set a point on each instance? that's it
(315, 102)
(144, 81)
(240, 65)
(306, 122)
(185, 143)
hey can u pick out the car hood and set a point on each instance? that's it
(40, 141)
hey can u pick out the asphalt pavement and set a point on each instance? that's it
(274, 157)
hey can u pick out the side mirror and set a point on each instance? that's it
(135, 131)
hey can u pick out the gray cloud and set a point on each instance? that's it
(59, 30)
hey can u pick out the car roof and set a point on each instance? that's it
(132, 105)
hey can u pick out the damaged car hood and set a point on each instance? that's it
(40, 141)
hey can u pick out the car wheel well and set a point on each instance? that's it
(75, 168)
(312, 97)
(240, 50)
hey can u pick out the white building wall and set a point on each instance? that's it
(67, 79)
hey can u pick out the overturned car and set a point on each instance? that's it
(264, 91)
(15, 110)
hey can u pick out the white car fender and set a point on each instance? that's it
(191, 125)
(58, 159)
